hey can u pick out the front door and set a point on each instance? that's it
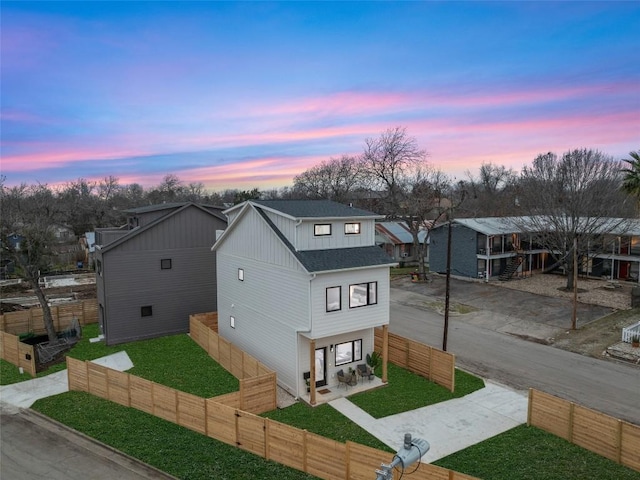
(321, 367)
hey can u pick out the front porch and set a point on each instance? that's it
(332, 392)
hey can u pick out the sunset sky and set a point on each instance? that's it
(249, 94)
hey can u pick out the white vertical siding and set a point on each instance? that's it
(252, 238)
(270, 306)
(307, 241)
(348, 319)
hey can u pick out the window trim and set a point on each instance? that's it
(353, 233)
(241, 274)
(353, 352)
(163, 264)
(315, 229)
(146, 311)
(368, 300)
(327, 299)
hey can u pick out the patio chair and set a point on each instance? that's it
(342, 379)
(364, 371)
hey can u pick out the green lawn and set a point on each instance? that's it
(408, 391)
(519, 454)
(528, 453)
(164, 445)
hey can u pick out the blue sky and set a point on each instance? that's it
(249, 94)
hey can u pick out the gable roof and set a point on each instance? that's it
(170, 206)
(317, 261)
(398, 232)
(308, 209)
(139, 230)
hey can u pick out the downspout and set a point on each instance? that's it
(301, 330)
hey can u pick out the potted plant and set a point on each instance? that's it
(308, 384)
(635, 341)
(373, 360)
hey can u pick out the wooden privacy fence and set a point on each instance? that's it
(218, 418)
(610, 437)
(17, 353)
(239, 363)
(426, 361)
(31, 321)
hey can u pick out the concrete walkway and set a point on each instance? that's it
(448, 426)
(24, 394)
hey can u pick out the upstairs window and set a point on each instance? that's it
(352, 228)
(241, 274)
(165, 264)
(146, 311)
(322, 229)
(362, 294)
(334, 299)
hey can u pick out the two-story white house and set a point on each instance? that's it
(301, 287)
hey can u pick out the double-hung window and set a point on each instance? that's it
(362, 294)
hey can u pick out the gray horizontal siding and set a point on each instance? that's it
(307, 241)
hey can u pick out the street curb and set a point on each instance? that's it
(95, 446)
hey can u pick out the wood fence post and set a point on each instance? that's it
(385, 351)
(305, 451)
(430, 373)
(619, 442)
(571, 408)
(347, 465)
(206, 417)
(267, 435)
(529, 407)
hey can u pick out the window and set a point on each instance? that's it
(232, 321)
(362, 294)
(334, 299)
(241, 274)
(165, 264)
(322, 229)
(146, 311)
(351, 228)
(348, 352)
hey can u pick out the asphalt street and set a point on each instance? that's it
(35, 447)
(489, 342)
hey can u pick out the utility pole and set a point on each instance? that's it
(447, 286)
(574, 313)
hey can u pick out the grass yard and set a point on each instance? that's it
(528, 453)
(408, 391)
(164, 445)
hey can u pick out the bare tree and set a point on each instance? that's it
(493, 192)
(335, 179)
(29, 213)
(389, 161)
(570, 201)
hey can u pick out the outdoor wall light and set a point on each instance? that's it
(331, 348)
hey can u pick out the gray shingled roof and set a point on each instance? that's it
(315, 261)
(315, 208)
(343, 258)
(167, 206)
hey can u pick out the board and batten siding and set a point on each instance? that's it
(306, 240)
(252, 238)
(133, 278)
(348, 319)
(464, 244)
(269, 307)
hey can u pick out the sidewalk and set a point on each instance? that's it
(448, 426)
(24, 394)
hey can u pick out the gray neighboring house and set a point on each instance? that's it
(302, 280)
(493, 247)
(157, 270)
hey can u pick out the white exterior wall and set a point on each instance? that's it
(307, 241)
(269, 307)
(252, 238)
(348, 319)
(367, 337)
